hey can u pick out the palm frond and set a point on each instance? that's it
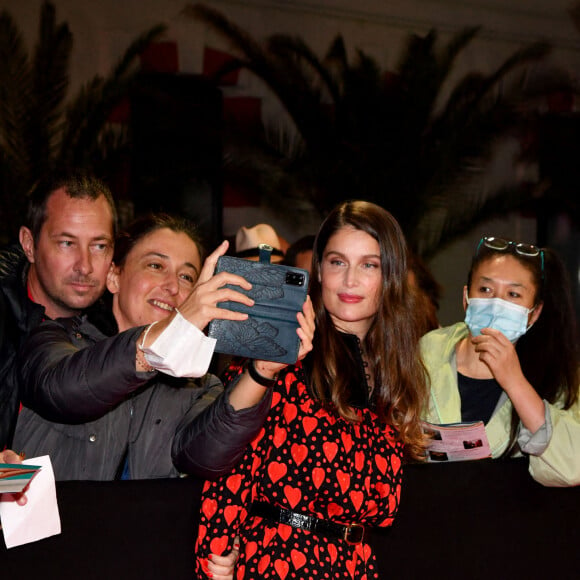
(337, 52)
(387, 138)
(420, 77)
(127, 61)
(88, 111)
(454, 48)
(336, 62)
(451, 216)
(51, 63)
(362, 95)
(294, 48)
(574, 13)
(232, 65)
(87, 98)
(289, 55)
(52, 60)
(472, 114)
(239, 39)
(16, 91)
(532, 53)
(39, 131)
(303, 109)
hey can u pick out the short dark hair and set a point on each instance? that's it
(149, 223)
(77, 184)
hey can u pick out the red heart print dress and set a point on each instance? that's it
(308, 460)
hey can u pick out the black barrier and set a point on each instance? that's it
(474, 520)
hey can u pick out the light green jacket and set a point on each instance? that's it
(557, 464)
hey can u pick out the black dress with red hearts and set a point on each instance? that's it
(311, 461)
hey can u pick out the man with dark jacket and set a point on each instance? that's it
(58, 270)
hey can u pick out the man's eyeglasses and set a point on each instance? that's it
(521, 248)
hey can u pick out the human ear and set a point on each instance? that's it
(113, 279)
(26, 240)
(465, 291)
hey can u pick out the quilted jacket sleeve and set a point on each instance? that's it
(65, 383)
(212, 443)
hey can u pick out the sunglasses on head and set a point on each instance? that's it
(521, 248)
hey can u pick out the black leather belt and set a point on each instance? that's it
(351, 534)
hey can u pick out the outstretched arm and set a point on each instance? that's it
(70, 384)
(212, 444)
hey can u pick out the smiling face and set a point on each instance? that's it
(351, 280)
(503, 276)
(158, 274)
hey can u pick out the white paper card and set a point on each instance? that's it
(39, 518)
(14, 477)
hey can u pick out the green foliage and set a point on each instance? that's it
(391, 138)
(42, 131)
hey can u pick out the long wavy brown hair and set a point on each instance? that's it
(391, 344)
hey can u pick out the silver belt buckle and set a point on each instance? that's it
(354, 534)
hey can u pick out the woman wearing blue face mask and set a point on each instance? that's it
(513, 363)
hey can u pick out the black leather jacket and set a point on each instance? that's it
(18, 316)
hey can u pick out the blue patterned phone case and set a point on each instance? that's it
(269, 333)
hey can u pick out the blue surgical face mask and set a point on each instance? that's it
(509, 318)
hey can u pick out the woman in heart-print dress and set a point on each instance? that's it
(327, 465)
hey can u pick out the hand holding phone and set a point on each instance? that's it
(269, 332)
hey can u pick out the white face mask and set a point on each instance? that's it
(509, 318)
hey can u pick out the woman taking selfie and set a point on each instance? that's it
(513, 363)
(99, 406)
(327, 465)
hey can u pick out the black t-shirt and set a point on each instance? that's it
(479, 398)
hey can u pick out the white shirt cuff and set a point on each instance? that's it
(181, 350)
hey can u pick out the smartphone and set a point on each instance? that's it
(269, 333)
